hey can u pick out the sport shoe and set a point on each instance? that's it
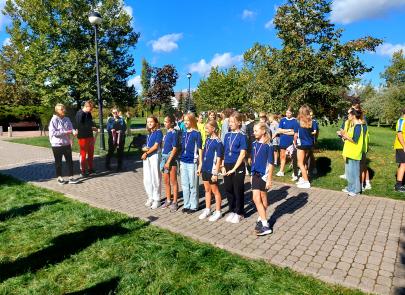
(236, 218)
(215, 216)
(185, 210)
(166, 204)
(73, 180)
(304, 184)
(155, 205)
(93, 171)
(61, 180)
(343, 176)
(352, 194)
(230, 217)
(294, 178)
(345, 190)
(258, 226)
(84, 174)
(206, 212)
(265, 230)
(367, 186)
(400, 188)
(174, 207)
(301, 180)
(148, 203)
(280, 174)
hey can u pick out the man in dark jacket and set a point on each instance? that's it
(116, 128)
(85, 127)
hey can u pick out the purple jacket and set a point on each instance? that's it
(58, 129)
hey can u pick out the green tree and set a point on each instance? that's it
(394, 74)
(146, 76)
(55, 45)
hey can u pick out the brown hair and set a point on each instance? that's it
(238, 117)
(192, 119)
(214, 124)
(171, 119)
(212, 113)
(267, 136)
(155, 119)
(228, 112)
(304, 116)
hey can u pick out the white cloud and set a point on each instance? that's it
(270, 24)
(135, 81)
(224, 60)
(348, 11)
(166, 43)
(128, 9)
(4, 20)
(6, 42)
(388, 49)
(248, 14)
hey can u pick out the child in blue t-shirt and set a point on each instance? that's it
(168, 164)
(212, 158)
(151, 172)
(303, 140)
(190, 157)
(262, 169)
(233, 168)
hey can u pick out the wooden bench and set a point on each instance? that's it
(25, 124)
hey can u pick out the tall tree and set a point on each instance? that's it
(161, 89)
(146, 76)
(394, 74)
(55, 43)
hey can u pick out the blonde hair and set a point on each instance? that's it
(192, 119)
(59, 106)
(214, 124)
(238, 117)
(264, 127)
(304, 116)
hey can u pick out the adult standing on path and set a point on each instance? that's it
(60, 128)
(85, 127)
(116, 138)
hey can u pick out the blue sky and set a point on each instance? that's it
(194, 35)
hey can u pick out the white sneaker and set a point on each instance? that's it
(148, 203)
(367, 186)
(215, 216)
(73, 180)
(294, 178)
(343, 176)
(236, 218)
(155, 205)
(280, 173)
(345, 190)
(61, 180)
(304, 184)
(230, 217)
(352, 194)
(206, 212)
(301, 180)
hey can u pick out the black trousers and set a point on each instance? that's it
(58, 153)
(111, 150)
(295, 162)
(234, 185)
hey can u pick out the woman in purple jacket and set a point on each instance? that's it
(60, 129)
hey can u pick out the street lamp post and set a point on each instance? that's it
(189, 93)
(95, 19)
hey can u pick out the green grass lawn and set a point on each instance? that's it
(330, 162)
(52, 245)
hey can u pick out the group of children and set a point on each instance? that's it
(229, 148)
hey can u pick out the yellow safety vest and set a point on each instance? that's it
(354, 150)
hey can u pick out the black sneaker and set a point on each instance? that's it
(400, 188)
(185, 210)
(259, 226)
(191, 211)
(61, 180)
(265, 230)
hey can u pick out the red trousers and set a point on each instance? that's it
(86, 149)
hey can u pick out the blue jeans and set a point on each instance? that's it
(189, 185)
(352, 168)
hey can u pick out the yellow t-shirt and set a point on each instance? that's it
(201, 128)
(399, 128)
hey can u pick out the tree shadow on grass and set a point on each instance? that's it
(62, 247)
(288, 207)
(24, 210)
(330, 144)
(9, 181)
(103, 288)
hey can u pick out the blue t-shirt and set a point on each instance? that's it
(357, 132)
(191, 142)
(234, 142)
(262, 155)
(286, 140)
(315, 127)
(169, 142)
(213, 149)
(152, 138)
(305, 137)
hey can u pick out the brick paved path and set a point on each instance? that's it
(357, 242)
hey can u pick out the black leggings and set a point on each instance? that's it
(111, 149)
(58, 153)
(235, 188)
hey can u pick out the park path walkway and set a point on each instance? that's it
(356, 242)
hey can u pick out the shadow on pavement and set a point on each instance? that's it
(103, 288)
(61, 248)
